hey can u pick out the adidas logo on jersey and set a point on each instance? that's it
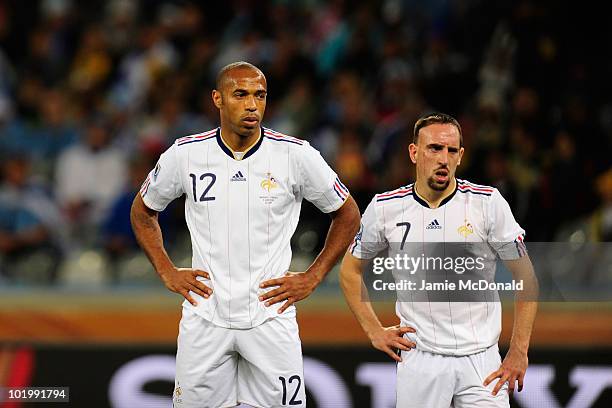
(238, 177)
(434, 225)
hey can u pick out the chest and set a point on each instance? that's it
(216, 181)
(457, 221)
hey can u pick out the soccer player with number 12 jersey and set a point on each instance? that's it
(238, 338)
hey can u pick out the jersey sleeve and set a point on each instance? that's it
(320, 184)
(370, 239)
(505, 235)
(163, 184)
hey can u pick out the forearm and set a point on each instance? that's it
(525, 303)
(356, 295)
(524, 316)
(344, 226)
(149, 235)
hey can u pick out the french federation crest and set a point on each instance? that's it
(177, 395)
(466, 229)
(268, 185)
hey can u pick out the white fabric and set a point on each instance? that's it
(241, 214)
(436, 381)
(473, 214)
(221, 367)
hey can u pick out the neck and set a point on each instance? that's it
(431, 196)
(239, 143)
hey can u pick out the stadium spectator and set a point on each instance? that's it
(89, 176)
(30, 222)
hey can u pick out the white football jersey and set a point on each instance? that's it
(241, 214)
(471, 214)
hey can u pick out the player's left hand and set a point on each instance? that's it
(294, 286)
(512, 370)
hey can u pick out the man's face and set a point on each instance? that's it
(437, 154)
(242, 100)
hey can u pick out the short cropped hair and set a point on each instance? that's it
(433, 118)
(234, 65)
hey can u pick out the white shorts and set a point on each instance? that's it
(438, 381)
(220, 367)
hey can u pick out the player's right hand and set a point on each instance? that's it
(389, 338)
(183, 280)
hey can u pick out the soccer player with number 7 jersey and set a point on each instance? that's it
(448, 353)
(243, 184)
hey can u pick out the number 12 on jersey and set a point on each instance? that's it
(203, 197)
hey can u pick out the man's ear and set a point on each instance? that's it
(412, 150)
(461, 150)
(217, 98)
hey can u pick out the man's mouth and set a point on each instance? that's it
(441, 175)
(250, 120)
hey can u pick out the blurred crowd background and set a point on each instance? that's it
(92, 92)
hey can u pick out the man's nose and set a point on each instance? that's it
(250, 104)
(443, 157)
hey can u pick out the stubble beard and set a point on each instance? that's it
(244, 132)
(436, 186)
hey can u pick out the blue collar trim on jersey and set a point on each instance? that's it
(426, 204)
(223, 146)
(227, 151)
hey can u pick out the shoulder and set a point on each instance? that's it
(393, 195)
(467, 187)
(300, 152)
(281, 139)
(195, 139)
